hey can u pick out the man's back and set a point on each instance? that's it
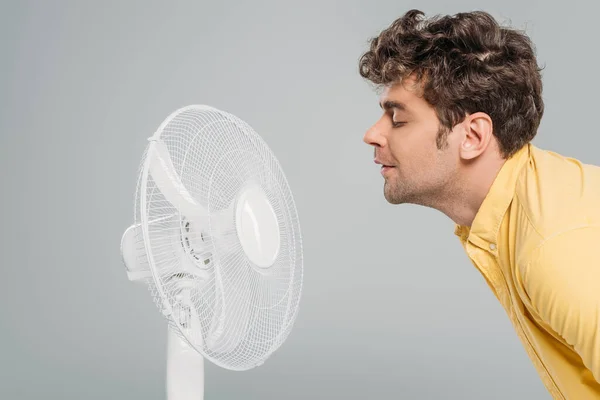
(539, 227)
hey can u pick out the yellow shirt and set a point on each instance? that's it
(536, 241)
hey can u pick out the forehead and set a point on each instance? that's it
(402, 96)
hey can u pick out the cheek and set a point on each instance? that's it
(411, 150)
(399, 148)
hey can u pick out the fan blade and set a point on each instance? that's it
(132, 256)
(164, 174)
(133, 252)
(231, 325)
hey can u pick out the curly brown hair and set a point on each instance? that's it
(464, 63)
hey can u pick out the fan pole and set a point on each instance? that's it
(185, 370)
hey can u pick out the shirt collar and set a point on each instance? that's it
(486, 224)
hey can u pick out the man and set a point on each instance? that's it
(461, 101)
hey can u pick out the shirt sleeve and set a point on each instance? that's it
(563, 284)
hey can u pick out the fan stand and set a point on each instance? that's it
(185, 369)
(185, 365)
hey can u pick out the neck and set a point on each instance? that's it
(463, 200)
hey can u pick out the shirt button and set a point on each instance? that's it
(492, 246)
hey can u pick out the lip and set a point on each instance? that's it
(377, 161)
(385, 169)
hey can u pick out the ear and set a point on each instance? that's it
(478, 129)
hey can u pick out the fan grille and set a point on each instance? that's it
(240, 314)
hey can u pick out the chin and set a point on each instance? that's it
(394, 200)
(392, 196)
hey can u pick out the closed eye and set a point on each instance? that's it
(397, 124)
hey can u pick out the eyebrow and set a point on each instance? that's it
(389, 104)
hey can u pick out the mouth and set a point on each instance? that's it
(385, 169)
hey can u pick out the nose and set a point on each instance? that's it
(374, 136)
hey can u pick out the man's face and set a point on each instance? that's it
(404, 140)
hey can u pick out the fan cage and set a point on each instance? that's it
(248, 311)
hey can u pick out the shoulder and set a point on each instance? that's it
(557, 192)
(554, 194)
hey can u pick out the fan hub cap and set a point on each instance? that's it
(257, 227)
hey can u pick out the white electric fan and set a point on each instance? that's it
(217, 239)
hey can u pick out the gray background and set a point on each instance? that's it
(391, 308)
